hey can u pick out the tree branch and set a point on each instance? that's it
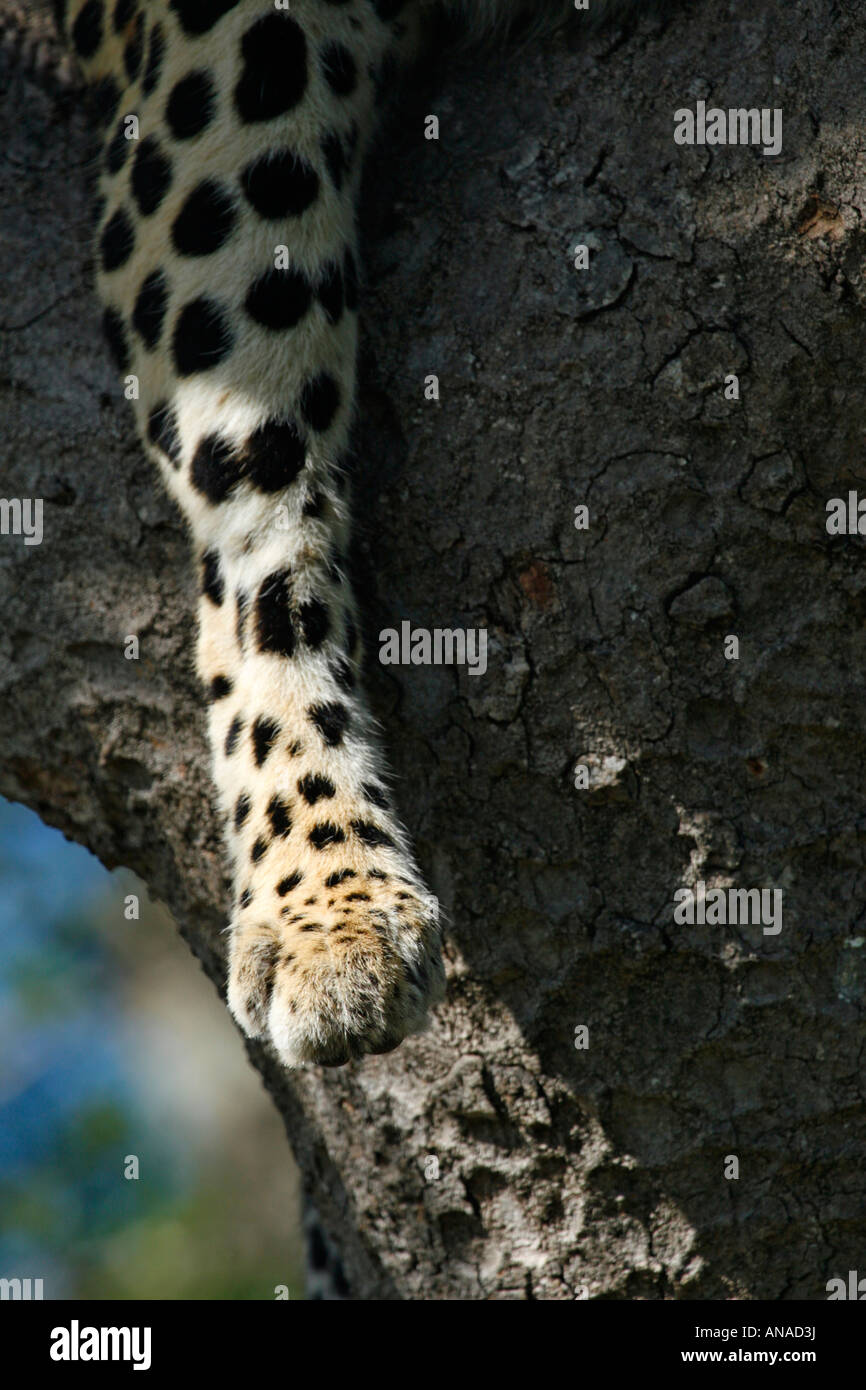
(557, 1169)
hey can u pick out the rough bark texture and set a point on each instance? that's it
(562, 1172)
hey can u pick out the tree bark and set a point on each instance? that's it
(492, 1157)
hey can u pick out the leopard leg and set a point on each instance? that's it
(226, 263)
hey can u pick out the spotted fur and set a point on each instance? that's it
(252, 124)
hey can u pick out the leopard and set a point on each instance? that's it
(232, 137)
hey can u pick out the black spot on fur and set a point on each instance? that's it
(339, 69)
(314, 787)
(339, 877)
(163, 432)
(115, 336)
(279, 298)
(275, 629)
(287, 884)
(274, 455)
(357, 897)
(202, 337)
(376, 795)
(155, 55)
(212, 580)
(343, 675)
(219, 688)
(118, 148)
(191, 105)
(331, 720)
(87, 29)
(117, 241)
(151, 176)
(274, 77)
(258, 850)
(315, 622)
(233, 735)
(206, 220)
(279, 817)
(280, 184)
(150, 306)
(197, 16)
(133, 52)
(104, 97)
(264, 732)
(123, 12)
(371, 834)
(320, 398)
(242, 809)
(315, 504)
(214, 468)
(326, 834)
(245, 898)
(242, 603)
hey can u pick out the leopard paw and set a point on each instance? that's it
(345, 967)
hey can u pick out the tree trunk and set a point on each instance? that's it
(496, 1156)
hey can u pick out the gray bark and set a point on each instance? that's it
(562, 1172)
